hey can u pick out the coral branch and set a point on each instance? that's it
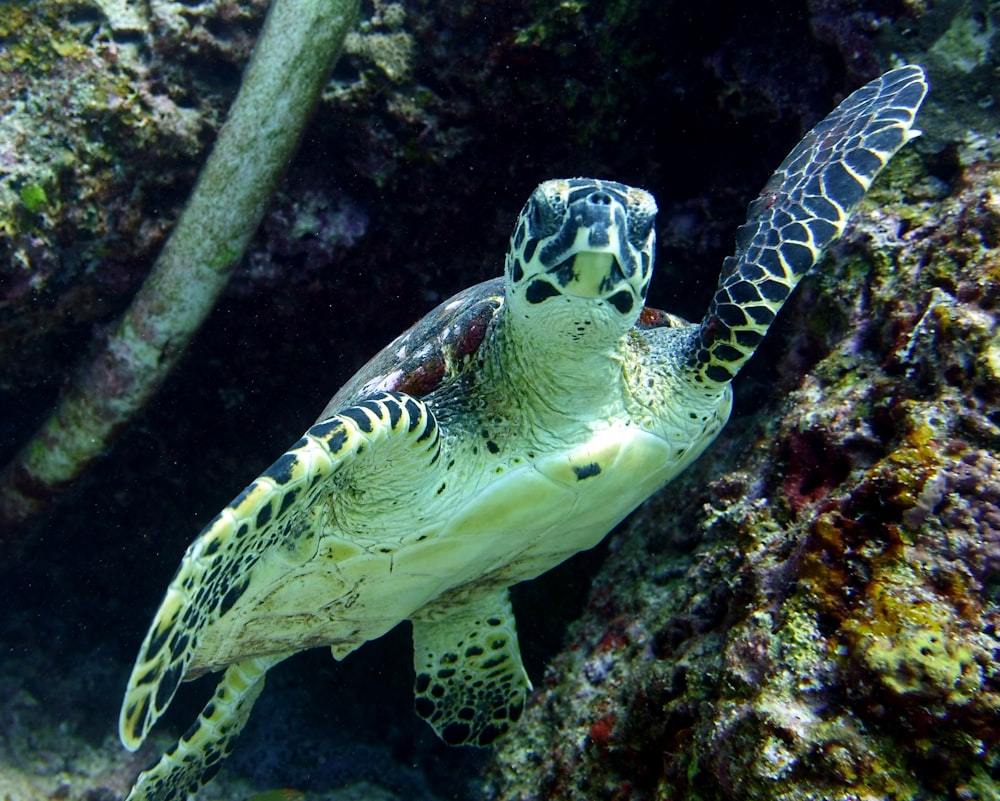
(300, 41)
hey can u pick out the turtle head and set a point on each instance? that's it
(581, 257)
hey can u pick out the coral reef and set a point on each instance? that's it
(820, 621)
(77, 112)
(297, 48)
(957, 42)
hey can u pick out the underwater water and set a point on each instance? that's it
(809, 612)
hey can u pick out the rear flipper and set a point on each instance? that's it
(471, 685)
(198, 755)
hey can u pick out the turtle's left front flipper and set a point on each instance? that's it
(470, 682)
(802, 209)
(198, 755)
(262, 537)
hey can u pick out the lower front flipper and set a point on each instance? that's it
(198, 755)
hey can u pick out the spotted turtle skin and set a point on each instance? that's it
(512, 427)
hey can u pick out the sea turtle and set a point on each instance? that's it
(512, 427)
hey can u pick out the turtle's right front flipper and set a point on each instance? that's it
(803, 208)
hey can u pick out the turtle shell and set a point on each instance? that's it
(439, 346)
(432, 351)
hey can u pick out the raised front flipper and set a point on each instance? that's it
(470, 685)
(802, 209)
(270, 530)
(198, 755)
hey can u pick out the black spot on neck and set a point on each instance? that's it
(622, 301)
(539, 290)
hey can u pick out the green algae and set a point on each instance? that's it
(33, 198)
(35, 37)
(913, 641)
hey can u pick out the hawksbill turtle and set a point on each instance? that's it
(512, 427)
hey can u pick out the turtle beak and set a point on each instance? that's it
(589, 273)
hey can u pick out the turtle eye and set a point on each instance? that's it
(640, 215)
(543, 215)
(640, 224)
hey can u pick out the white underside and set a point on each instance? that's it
(514, 528)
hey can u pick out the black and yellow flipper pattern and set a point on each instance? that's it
(268, 531)
(803, 208)
(470, 685)
(198, 755)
